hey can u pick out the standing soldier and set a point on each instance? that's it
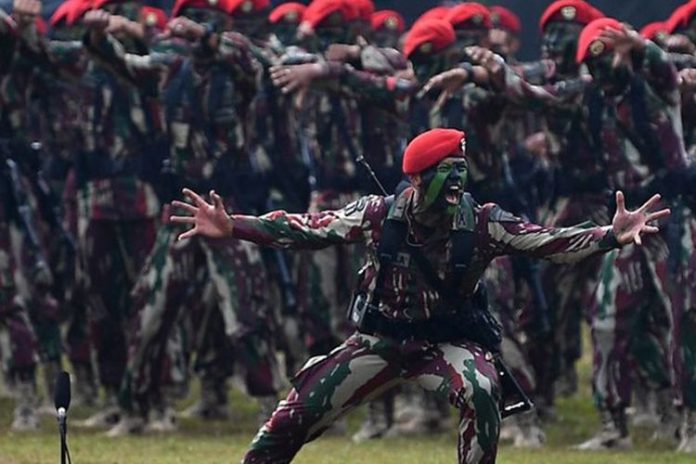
(206, 97)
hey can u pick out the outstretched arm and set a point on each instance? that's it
(353, 223)
(571, 244)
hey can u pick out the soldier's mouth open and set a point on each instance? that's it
(453, 195)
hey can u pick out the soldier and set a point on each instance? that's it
(387, 27)
(206, 97)
(428, 247)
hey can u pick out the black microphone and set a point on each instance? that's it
(61, 397)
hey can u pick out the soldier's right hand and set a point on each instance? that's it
(96, 20)
(26, 11)
(292, 78)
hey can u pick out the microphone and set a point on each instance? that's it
(61, 397)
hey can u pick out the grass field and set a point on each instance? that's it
(213, 443)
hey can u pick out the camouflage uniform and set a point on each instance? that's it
(206, 103)
(22, 256)
(367, 364)
(637, 309)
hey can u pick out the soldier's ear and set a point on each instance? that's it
(415, 179)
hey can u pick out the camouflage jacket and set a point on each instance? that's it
(406, 294)
(204, 102)
(638, 133)
(469, 109)
(275, 144)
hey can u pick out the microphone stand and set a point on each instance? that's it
(63, 427)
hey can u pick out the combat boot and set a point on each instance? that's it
(127, 424)
(530, 433)
(669, 420)
(212, 404)
(613, 435)
(108, 416)
(25, 414)
(645, 412)
(84, 386)
(51, 370)
(687, 443)
(379, 420)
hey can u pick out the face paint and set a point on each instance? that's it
(444, 185)
(612, 80)
(427, 66)
(559, 43)
(471, 37)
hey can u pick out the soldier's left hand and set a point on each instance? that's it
(622, 41)
(484, 57)
(185, 28)
(342, 52)
(291, 78)
(26, 11)
(122, 25)
(630, 226)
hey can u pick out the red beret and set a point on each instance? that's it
(431, 147)
(502, 18)
(654, 30)
(365, 9)
(577, 11)
(247, 6)
(320, 10)
(681, 17)
(153, 17)
(97, 4)
(388, 19)
(439, 12)
(290, 12)
(469, 15)
(433, 34)
(180, 5)
(590, 42)
(68, 12)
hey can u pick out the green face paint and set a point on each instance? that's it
(443, 183)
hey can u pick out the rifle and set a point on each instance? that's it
(21, 206)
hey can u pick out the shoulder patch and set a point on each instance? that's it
(500, 215)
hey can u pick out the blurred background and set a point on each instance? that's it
(635, 12)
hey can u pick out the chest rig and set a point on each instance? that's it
(463, 318)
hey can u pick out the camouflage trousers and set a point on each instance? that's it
(326, 282)
(18, 346)
(365, 366)
(112, 254)
(502, 298)
(632, 323)
(179, 276)
(570, 289)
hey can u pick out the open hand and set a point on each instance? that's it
(630, 226)
(208, 219)
(293, 77)
(622, 41)
(96, 20)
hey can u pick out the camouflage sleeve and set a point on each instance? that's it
(8, 40)
(136, 69)
(539, 97)
(391, 93)
(235, 51)
(512, 235)
(683, 60)
(356, 222)
(661, 73)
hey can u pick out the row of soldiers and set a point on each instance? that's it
(108, 114)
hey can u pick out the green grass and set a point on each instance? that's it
(212, 443)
